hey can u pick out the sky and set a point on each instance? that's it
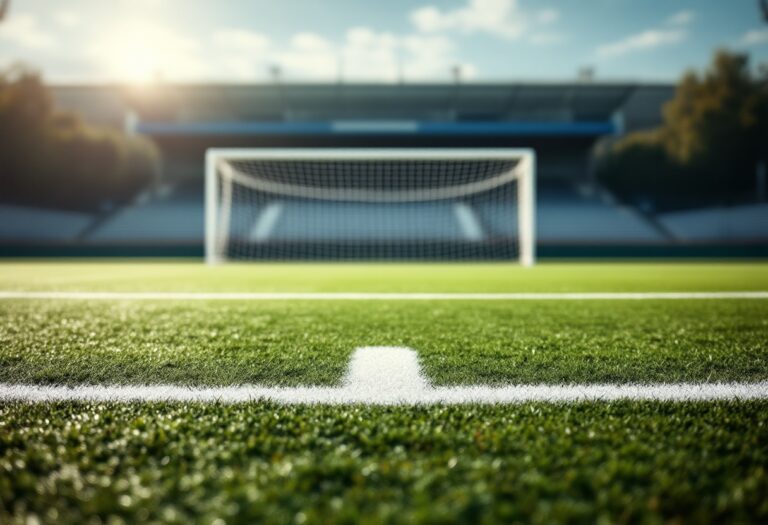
(137, 41)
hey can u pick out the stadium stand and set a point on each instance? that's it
(561, 121)
(589, 217)
(358, 222)
(564, 214)
(167, 219)
(567, 215)
(26, 224)
(735, 223)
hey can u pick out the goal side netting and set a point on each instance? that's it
(381, 204)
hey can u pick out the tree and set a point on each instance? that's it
(714, 132)
(53, 159)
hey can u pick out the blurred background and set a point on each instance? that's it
(649, 117)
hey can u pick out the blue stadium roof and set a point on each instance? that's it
(569, 129)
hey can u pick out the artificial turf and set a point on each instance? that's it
(305, 343)
(626, 462)
(191, 275)
(261, 463)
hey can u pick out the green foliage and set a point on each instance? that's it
(715, 131)
(53, 159)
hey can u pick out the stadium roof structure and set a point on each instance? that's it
(561, 121)
(586, 110)
(432, 109)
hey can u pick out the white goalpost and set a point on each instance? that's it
(374, 204)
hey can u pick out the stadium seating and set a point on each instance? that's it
(566, 215)
(358, 222)
(737, 223)
(169, 219)
(24, 224)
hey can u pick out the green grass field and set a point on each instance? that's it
(586, 462)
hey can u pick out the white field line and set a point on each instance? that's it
(374, 296)
(389, 376)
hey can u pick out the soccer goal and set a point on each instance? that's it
(375, 204)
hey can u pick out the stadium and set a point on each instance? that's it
(360, 266)
(562, 122)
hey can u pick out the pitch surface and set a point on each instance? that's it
(537, 462)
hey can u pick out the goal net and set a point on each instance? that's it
(380, 204)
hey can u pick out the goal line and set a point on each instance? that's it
(389, 376)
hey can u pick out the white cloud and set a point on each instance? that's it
(67, 19)
(501, 18)
(308, 57)
(240, 39)
(754, 37)
(548, 16)
(363, 55)
(681, 18)
(239, 54)
(671, 32)
(24, 30)
(310, 42)
(367, 54)
(650, 39)
(140, 50)
(431, 57)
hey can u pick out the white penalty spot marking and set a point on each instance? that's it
(388, 376)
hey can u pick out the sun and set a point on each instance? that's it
(137, 65)
(143, 52)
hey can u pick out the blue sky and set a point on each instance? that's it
(383, 40)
